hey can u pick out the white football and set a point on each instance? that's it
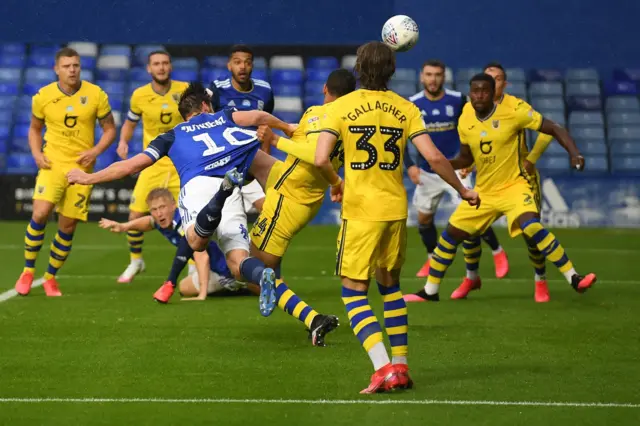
(400, 32)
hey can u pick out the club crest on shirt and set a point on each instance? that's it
(260, 105)
(83, 100)
(495, 124)
(40, 189)
(449, 110)
(176, 97)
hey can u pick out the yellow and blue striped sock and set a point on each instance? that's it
(549, 246)
(396, 322)
(33, 240)
(537, 260)
(442, 258)
(472, 250)
(289, 302)
(60, 248)
(135, 240)
(365, 326)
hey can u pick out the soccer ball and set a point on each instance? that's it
(400, 33)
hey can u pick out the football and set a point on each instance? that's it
(400, 32)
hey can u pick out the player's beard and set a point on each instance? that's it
(161, 82)
(435, 94)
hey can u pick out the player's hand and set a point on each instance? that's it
(123, 149)
(529, 167)
(42, 161)
(111, 225)
(337, 191)
(88, 157)
(463, 173)
(292, 128)
(266, 135)
(414, 174)
(471, 197)
(193, 299)
(577, 162)
(78, 176)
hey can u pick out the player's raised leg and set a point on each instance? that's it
(500, 259)
(472, 250)
(551, 248)
(33, 240)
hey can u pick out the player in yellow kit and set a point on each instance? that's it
(156, 104)
(68, 109)
(491, 135)
(374, 125)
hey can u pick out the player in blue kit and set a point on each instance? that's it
(440, 109)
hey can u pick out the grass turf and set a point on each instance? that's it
(105, 340)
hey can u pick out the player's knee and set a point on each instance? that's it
(425, 219)
(526, 217)
(186, 287)
(458, 235)
(41, 212)
(67, 225)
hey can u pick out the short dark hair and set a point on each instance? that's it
(66, 52)
(433, 63)
(160, 193)
(240, 48)
(375, 65)
(496, 65)
(158, 52)
(341, 82)
(484, 77)
(192, 98)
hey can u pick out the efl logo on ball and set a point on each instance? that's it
(400, 33)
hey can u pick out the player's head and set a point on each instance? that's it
(159, 66)
(497, 71)
(162, 206)
(375, 65)
(240, 63)
(339, 83)
(67, 66)
(482, 89)
(194, 100)
(432, 76)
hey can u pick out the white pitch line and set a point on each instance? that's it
(12, 293)
(321, 402)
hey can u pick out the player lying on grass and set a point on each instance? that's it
(211, 274)
(491, 134)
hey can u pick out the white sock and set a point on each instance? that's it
(472, 275)
(540, 277)
(570, 273)
(431, 288)
(399, 360)
(379, 356)
(497, 251)
(429, 256)
(136, 261)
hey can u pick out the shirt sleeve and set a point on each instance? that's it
(527, 117)
(159, 147)
(416, 124)
(330, 122)
(135, 113)
(37, 108)
(104, 108)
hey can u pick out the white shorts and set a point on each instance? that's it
(232, 233)
(250, 194)
(431, 189)
(216, 282)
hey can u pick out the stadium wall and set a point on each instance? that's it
(464, 33)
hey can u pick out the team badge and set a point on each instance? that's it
(483, 134)
(495, 124)
(83, 100)
(260, 105)
(246, 103)
(176, 97)
(449, 110)
(40, 189)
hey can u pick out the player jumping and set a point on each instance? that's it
(374, 125)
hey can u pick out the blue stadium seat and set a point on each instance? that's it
(323, 62)
(40, 75)
(626, 74)
(6, 117)
(404, 89)
(626, 165)
(260, 74)
(22, 116)
(555, 103)
(259, 63)
(581, 118)
(318, 74)
(7, 102)
(88, 75)
(5, 132)
(546, 89)
(216, 61)
(591, 147)
(112, 87)
(554, 149)
(88, 62)
(114, 74)
(555, 115)
(294, 90)
(623, 119)
(613, 88)
(11, 61)
(135, 85)
(406, 74)
(622, 104)
(41, 60)
(589, 133)
(115, 50)
(8, 89)
(10, 74)
(313, 88)
(583, 89)
(23, 102)
(465, 74)
(105, 159)
(32, 88)
(141, 53)
(584, 103)
(582, 74)
(45, 49)
(185, 75)
(139, 74)
(312, 100)
(135, 146)
(516, 75)
(185, 64)
(288, 116)
(624, 133)
(517, 89)
(13, 48)
(546, 75)
(20, 164)
(554, 165)
(595, 165)
(20, 139)
(117, 103)
(207, 75)
(286, 76)
(625, 148)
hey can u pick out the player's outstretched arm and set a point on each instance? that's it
(259, 118)
(141, 224)
(115, 171)
(201, 258)
(564, 138)
(304, 151)
(326, 143)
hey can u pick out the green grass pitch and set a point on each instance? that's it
(109, 341)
